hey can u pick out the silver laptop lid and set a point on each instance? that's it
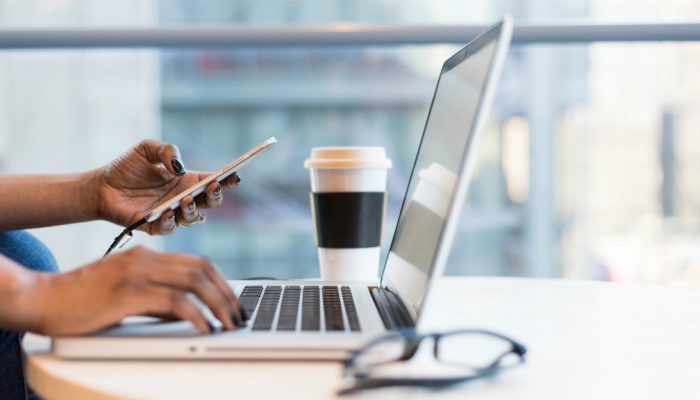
(438, 186)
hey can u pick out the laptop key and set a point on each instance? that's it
(331, 309)
(310, 309)
(289, 309)
(350, 310)
(249, 298)
(267, 308)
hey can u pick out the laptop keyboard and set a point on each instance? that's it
(279, 307)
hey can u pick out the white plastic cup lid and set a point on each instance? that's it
(349, 157)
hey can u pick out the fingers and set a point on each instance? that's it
(165, 225)
(232, 181)
(220, 281)
(213, 195)
(159, 300)
(197, 282)
(167, 154)
(188, 211)
(199, 276)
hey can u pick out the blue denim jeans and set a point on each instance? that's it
(28, 251)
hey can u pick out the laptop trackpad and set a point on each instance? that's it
(150, 327)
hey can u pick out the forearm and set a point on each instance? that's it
(32, 201)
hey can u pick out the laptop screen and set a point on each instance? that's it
(447, 137)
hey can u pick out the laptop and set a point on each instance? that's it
(314, 319)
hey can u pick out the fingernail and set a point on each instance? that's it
(238, 179)
(178, 167)
(191, 206)
(217, 191)
(170, 220)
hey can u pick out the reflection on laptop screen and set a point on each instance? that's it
(448, 132)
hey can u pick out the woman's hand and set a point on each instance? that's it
(145, 176)
(137, 281)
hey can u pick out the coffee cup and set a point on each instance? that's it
(348, 202)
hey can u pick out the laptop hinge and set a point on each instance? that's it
(391, 309)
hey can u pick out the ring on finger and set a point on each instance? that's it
(198, 219)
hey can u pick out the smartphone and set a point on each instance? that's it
(199, 187)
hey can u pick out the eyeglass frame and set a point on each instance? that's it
(412, 341)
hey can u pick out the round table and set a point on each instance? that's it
(586, 340)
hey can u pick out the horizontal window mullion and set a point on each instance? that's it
(334, 36)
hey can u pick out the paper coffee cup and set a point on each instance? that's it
(348, 201)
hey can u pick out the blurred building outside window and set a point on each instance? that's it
(587, 171)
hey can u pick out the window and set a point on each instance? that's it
(587, 169)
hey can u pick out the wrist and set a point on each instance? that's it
(27, 297)
(91, 184)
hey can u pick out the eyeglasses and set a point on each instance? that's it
(458, 356)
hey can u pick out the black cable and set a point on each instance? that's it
(125, 232)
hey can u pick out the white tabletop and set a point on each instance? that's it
(585, 340)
